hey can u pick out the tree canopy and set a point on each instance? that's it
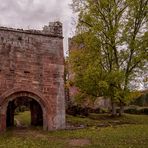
(112, 38)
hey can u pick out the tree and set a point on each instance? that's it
(112, 38)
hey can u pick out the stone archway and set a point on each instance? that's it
(38, 106)
(32, 106)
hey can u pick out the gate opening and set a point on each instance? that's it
(24, 104)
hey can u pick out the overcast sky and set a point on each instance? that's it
(35, 14)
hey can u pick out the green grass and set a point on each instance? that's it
(129, 131)
(24, 117)
(107, 120)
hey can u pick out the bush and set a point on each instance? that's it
(132, 110)
(136, 110)
(143, 111)
(97, 111)
(77, 110)
(84, 111)
(103, 110)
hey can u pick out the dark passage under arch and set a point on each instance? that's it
(31, 104)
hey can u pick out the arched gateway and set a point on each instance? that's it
(31, 71)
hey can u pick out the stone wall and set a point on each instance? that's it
(33, 60)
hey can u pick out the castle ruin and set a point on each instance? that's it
(31, 72)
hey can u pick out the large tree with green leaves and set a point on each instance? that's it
(112, 38)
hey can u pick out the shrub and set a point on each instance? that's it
(103, 110)
(143, 111)
(77, 110)
(97, 111)
(132, 110)
(136, 110)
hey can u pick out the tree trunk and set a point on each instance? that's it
(121, 111)
(114, 113)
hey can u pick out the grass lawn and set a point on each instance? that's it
(129, 131)
(24, 118)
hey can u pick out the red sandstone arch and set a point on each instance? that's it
(17, 93)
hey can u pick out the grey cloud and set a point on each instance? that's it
(35, 13)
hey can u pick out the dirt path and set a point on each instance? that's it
(79, 142)
(18, 123)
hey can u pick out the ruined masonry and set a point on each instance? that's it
(31, 74)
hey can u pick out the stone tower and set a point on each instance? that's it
(31, 72)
